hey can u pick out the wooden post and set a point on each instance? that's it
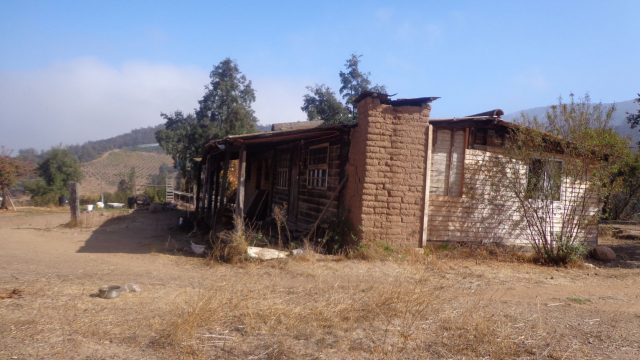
(242, 165)
(225, 177)
(427, 186)
(74, 203)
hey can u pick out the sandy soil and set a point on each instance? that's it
(189, 308)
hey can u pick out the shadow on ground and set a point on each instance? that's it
(140, 232)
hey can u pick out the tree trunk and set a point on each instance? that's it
(4, 205)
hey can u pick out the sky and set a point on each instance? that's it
(76, 71)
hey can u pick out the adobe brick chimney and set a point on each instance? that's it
(386, 169)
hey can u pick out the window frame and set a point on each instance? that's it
(283, 170)
(321, 170)
(538, 191)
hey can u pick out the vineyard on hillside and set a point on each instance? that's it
(104, 173)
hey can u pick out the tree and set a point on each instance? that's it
(225, 109)
(321, 104)
(58, 168)
(226, 104)
(182, 138)
(354, 82)
(554, 175)
(634, 119)
(10, 170)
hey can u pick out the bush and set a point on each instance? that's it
(155, 194)
(231, 246)
(340, 237)
(564, 252)
(89, 199)
(41, 193)
(116, 197)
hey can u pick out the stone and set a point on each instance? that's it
(265, 254)
(603, 253)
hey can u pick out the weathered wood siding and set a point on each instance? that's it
(487, 211)
(312, 201)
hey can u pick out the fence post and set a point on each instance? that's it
(74, 203)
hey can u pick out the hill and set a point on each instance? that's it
(93, 149)
(618, 121)
(104, 173)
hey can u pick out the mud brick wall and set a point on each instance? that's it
(385, 191)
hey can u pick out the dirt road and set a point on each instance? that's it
(189, 308)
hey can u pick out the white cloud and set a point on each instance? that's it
(87, 99)
(279, 100)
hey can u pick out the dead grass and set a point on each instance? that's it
(442, 304)
(374, 316)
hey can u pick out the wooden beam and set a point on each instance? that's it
(242, 170)
(427, 187)
(447, 179)
(464, 155)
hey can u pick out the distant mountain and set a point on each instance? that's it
(618, 121)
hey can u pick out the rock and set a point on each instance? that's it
(603, 253)
(297, 252)
(265, 254)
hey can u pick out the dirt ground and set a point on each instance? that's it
(434, 306)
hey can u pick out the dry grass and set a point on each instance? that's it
(442, 304)
(408, 313)
(231, 246)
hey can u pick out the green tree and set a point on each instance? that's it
(225, 109)
(226, 104)
(321, 101)
(58, 168)
(322, 104)
(182, 138)
(354, 82)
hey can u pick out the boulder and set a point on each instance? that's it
(603, 253)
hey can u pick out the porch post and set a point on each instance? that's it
(427, 186)
(225, 177)
(242, 164)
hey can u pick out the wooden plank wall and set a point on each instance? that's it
(311, 202)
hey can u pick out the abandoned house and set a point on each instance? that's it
(396, 175)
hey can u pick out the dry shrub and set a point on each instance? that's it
(231, 246)
(280, 216)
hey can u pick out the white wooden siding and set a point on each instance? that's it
(486, 211)
(447, 162)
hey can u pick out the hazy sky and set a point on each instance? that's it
(76, 71)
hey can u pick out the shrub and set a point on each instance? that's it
(340, 237)
(231, 245)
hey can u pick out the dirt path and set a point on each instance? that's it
(308, 308)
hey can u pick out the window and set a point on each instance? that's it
(318, 169)
(544, 179)
(282, 170)
(447, 162)
(489, 137)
